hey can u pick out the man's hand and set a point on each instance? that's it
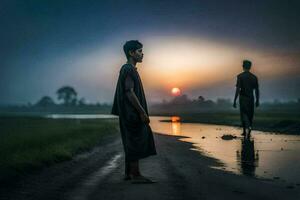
(257, 103)
(234, 104)
(145, 118)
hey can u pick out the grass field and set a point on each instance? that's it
(31, 142)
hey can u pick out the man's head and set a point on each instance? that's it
(247, 65)
(133, 50)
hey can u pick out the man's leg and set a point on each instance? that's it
(244, 123)
(250, 114)
(244, 128)
(134, 168)
(135, 174)
(242, 117)
(248, 127)
(127, 170)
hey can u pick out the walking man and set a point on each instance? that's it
(245, 85)
(131, 107)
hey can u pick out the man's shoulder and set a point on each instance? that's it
(240, 75)
(253, 75)
(246, 74)
(127, 69)
(125, 66)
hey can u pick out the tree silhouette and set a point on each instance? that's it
(67, 94)
(82, 102)
(183, 99)
(45, 101)
(201, 99)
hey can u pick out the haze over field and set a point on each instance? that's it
(197, 46)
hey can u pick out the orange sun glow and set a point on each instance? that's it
(175, 91)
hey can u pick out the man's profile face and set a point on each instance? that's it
(138, 55)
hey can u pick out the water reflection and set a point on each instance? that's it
(263, 155)
(247, 159)
(176, 125)
(175, 119)
(80, 116)
(176, 128)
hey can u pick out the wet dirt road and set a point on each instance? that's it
(180, 172)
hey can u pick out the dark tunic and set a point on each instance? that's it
(136, 135)
(247, 82)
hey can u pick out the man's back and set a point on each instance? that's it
(247, 82)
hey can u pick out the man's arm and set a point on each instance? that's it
(257, 94)
(129, 85)
(237, 91)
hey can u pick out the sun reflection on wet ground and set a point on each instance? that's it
(264, 155)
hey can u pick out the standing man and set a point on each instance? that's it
(131, 107)
(246, 83)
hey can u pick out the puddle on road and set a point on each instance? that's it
(265, 155)
(94, 179)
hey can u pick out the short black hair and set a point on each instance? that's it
(247, 64)
(131, 45)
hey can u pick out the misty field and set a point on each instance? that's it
(31, 142)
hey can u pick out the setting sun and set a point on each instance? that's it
(175, 91)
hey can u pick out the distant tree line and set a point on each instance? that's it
(184, 104)
(200, 101)
(68, 102)
(67, 95)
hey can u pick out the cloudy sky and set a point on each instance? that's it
(197, 46)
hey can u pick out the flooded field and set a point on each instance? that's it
(264, 155)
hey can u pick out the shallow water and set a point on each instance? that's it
(80, 116)
(265, 155)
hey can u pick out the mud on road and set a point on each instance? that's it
(180, 172)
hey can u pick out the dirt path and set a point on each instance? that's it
(181, 174)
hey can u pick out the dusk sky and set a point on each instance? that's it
(197, 46)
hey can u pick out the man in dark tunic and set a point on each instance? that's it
(131, 107)
(245, 85)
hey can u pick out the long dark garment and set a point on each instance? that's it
(246, 110)
(136, 135)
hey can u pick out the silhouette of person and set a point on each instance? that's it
(248, 157)
(245, 85)
(131, 107)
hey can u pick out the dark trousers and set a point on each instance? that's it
(246, 110)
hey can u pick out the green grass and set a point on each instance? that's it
(30, 142)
